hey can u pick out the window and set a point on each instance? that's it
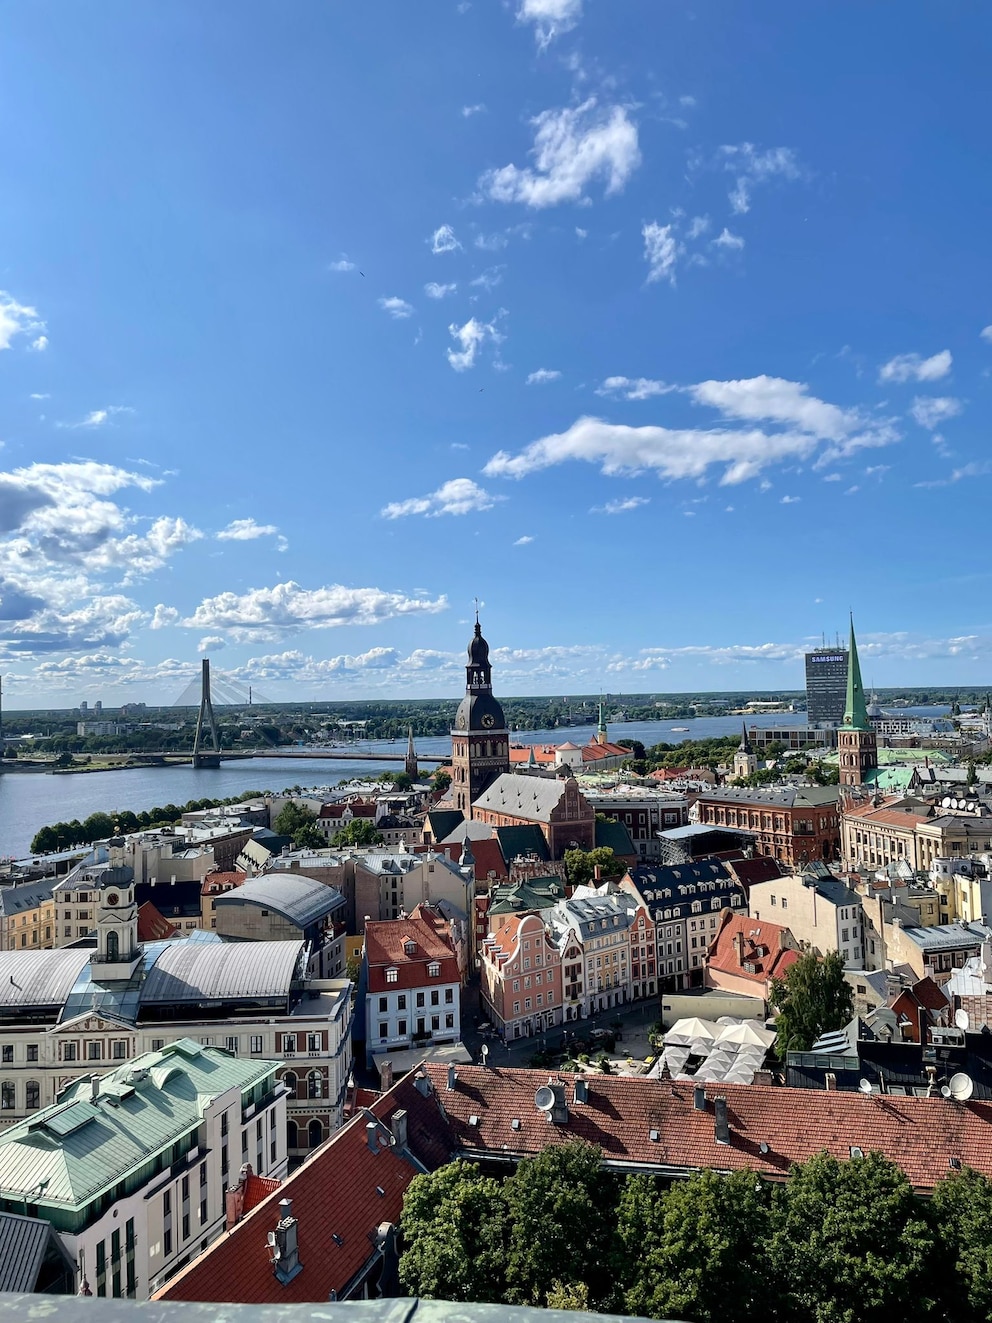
(167, 1241)
(435, 997)
(185, 1189)
(256, 1042)
(167, 1203)
(314, 1042)
(401, 1028)
(185, 1226)
(32, 1051)
(315, 1081)
(434, 969)
(289, 1042)
(383, 1005)
(223, 1129)
(420, 1000)
(449, 1022)
(8, 1055)
(94, 1051)
(785, 902)
(383, 1030)
(401, 1001)
(120, 1049)
(449, 996)
(158, 1044)
(231, 1043)
(392, 975)
(435, 1023)
(69, 1052)
(33, 1095)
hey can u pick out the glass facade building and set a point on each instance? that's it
(826, 686)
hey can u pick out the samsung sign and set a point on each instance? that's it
(818, 658)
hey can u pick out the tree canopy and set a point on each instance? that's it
(359, 831)
(581, 865)
(812, 999)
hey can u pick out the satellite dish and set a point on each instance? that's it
(484, 1053)
(962, 1019)
(271, 1239)
(864, 1086)
(945, 1091)
(544, 1099)
(962, 1086)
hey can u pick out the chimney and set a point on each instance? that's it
(385, 1076)
(286, 1259)
(830, 1082)
(739, 948)
(372, 1136)
(234, 1199)
(94, 1087)
(398, 1125)
(422, 1084)
(699, 1098)
(452, 1078)
(597, 873)
(721, 1126)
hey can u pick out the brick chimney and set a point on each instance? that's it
(739, 948)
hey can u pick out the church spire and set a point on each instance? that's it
(745, 744)
(411, 768)
(855, 710)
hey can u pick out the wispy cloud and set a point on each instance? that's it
(986, 333)
(726, 240)
(246, 530)
(443, 240)
(551, 18)
(459, 496)
(751, 166)
(542, 376)
(790, 500)
(471, 337)
(931, 410)
(621, 505)
(660, 251)
(633, 388)
(489, 278)
(342, 264)
(469, 111)
(396, 307)
(523, 541)
(573, 147)
(40, 395)
(99, 417)
(18, 318)
(912, 367)
(435, 291)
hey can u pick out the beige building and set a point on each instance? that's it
(27, 916)
(908, 830)
(287, 908)
(821, 913)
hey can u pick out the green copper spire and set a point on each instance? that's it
(855, 712)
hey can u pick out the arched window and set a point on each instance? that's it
(292, 1135)
(33, 1095)
(315, 1084)
(315, 1133)
(113, 947)
(290, 1081)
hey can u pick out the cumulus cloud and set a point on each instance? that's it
(246, 530)
(287, 608)
(40, 344)
(542, 376)
(17, 319)
(986, 333)
(810, 428)
(932, 410)
(397, 308)
(458, 496)
(343, 264)
(790, 500)
(435, 291)
(443, 240)
(633, 388)
(751, 166)
(523, 541)
(164, 616)
(621, 505)
(550, 18)
(211, 643)
(573, 147)
(912, 367)
(661, 250)
(471, 337)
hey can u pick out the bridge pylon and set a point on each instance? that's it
(201, 758)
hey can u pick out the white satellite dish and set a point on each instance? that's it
(864, 1086)
(962, 1019)
(962, 1086)
(271, 1239)
(484, 1053)
(945, 1091)
(544, 1099)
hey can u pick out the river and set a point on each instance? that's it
(30, 800)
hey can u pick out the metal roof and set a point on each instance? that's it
(27, 896)
(24, 1243)
(219, 971)
(295, 897)
(533, 798)
(39, 978)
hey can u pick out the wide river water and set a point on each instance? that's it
(30, 800)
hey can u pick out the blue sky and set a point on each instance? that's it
(663, 329)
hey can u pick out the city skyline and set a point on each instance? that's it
(313, 329)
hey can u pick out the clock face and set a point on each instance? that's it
(460, 721)
(488, 720)
(113, 898)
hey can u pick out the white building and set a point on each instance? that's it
(131, 1168)
(598, 926)
(821, 913)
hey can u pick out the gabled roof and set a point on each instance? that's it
(615, 836)
(442, 822)
(386, 940)
(24, 1243)
(748, 872)
(258, 1189)
(152, 927)
(25, 896)
(751, 949)
(533, 798)
(597, 753)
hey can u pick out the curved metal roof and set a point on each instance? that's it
(220, 971)
(300, 899)
(39, 978)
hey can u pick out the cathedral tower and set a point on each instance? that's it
(857, 743)
(480, 742)
(745, 759)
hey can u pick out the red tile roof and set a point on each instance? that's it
(384, 947)
(219, 881)
(622, 1112)
(334, 1193)
(741, 941)
(258, 1188)
(762, 868)
(153, 926)
(544, 754)
(592, 753)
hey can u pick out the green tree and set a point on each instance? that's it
(850, 1244)
(359, 831)
(582, 864)
(98, 826)
(440, 781)
(65, 760)
(697, 1250)
(291, 817)
(561, 1212)
(45, 839)
(635, 747)
(571, 1295)
(454, 1236)
(961, 1210)
(811, 1000)
(309, 837)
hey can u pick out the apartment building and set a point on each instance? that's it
(820, 911)
(412, 983)
(644, 812)
(521, 976)
(27, 916)
(592, 933)
(794, 824)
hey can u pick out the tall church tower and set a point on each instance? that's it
(480, 741)
(745, 759)
(857, 743)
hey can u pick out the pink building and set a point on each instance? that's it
(643, 979)
(521, 976)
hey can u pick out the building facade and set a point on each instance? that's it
(27, 916)
(826, 686)
(821, 913)
(521, 977)
(792, 824)
(554, 804)
(412, 983)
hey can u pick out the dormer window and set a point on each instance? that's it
(392, 974)
(434, 969)
(409, 947)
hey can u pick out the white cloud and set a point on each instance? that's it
(931, 410)
(621, 505)
(542, 376)
(211, 643)
(634, 388)
(550, 17)
(660, 251)
(687, 101)
(725, 239)
(458, 496)
(435, 291)
(343, 264)
(40, 344)
(99, 417)
(491, 243)
(523, 541)
(911, 367)
(246, 530)
(752, 167)
(698, 226)
(986, 333)
(164, 616)
(469, 111)
(286, 608)
(489, 278)
(17, 319)
(572, 147)
(397, 308)
(472, 336)
(811, 428)
(40, 395)
(790, 500)
(443, 240)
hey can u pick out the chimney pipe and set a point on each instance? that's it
(372, 1136)
(398, 1124)
(452, 1077)
(699, 1098)
(721, 1125)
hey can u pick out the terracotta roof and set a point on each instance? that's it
(887, 817)
(219, 880)
(544, 754)
(743, 941)
(623, 1112)
(928, 994)
(336, 1192)
(257, 1189)
(384, 946)
(152, 926)
(592, 753)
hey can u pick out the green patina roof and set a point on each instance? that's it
(855, 709)
(615, 836)
(85, 1143)
(537, 894)
(525, 839)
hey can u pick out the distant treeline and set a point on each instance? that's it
(98, 826)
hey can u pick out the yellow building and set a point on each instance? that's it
(27, 916)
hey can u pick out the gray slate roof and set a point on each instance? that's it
(531, 797)
(948, 936)
(776, 796)
(294, 896)
(24, 1243)
(27, 896)
(216, 971)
